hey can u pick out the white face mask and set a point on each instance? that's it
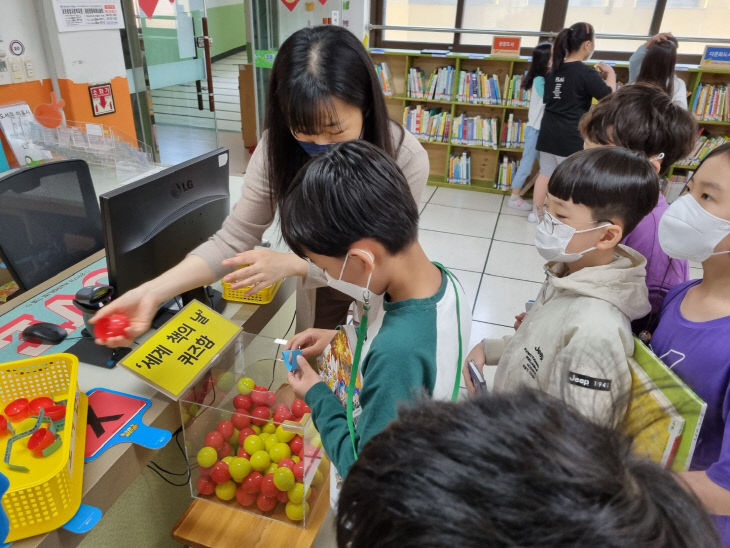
(358, 293)
(552, 239)
(689, 231)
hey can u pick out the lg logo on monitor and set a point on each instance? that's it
(181, 187)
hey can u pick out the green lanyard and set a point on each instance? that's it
(362, 332)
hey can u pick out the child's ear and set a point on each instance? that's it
(611, 237)
(364, 256)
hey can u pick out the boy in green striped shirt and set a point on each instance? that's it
(350, 212)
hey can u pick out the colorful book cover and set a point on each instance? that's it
(657, 409)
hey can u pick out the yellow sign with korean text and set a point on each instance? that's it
(176, 356)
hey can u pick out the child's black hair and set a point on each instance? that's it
(516, 469)
(616, 183)
(569, 40)
(641, 117)
(351, 191)
(658, 65)
(539, 64)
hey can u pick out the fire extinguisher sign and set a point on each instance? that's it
(102, 100)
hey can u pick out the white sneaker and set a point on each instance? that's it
(519, 203)
(532, 217)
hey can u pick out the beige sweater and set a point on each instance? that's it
(254, 213)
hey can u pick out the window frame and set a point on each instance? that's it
(553, 20)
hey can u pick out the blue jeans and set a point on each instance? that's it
(529, 155)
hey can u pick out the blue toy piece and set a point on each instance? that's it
(4, 523)
(290, 359)
(84, 519)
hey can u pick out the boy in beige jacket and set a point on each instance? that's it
(575, 341)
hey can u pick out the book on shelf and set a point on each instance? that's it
(438, 86)
(430, 125)
(702, 148)
(513, 133)
(672, 187)
(517, 96)
(712, 103)
(507, 170)
(474, 130)
(384, 77)
(459, 169)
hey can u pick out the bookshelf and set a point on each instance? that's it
(484, 159)
(709, 104)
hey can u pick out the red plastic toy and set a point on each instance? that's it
(111, 326)
(56, 412)
(40, 439)
(18, 410)
(42, 402)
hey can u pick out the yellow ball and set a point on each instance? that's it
(269, 427)
(318, 479)
(296, 493)
(256, 428)
(270, 443)
(239, 468)
(252, 444)
(296, 459)
(283, 435)
(225, 491)
(260, 461)
(272, 468)
(296, 512)
(284, 479)
(245, 385)
(279, 451)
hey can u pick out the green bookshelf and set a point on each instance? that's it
(485, 161)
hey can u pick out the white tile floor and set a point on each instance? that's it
(489, 248)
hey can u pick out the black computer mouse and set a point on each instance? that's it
(43, 333)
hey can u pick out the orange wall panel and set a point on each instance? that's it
(34, 93)
(78, 106)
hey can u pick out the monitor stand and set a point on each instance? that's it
(87, 351)
(207, 295)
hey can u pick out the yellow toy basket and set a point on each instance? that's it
(265, 296)
(47, 495)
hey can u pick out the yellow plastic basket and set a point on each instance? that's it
(265, 296)
(49, 494)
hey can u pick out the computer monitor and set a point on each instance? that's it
(150, 225)
(49, 221)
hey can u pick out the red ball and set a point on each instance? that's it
(244, 498)
(269, 399)
(219, 473)
(240, 420)
(260, 388)
(297, 408)
(252, 483)
(205, 485)
(242, 402)
(298, 471)
(244, 433)
(260, 398)
(224, 451)
(282, 496)
(261, 415)
(266, 504)
(296, 444)
(307, 409)
(287, 463)
(225, 428)
(114, 325)
(204, 471)
(268, 489)
(282, 413)
(215, 440)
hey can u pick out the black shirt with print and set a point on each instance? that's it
(568, 95)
